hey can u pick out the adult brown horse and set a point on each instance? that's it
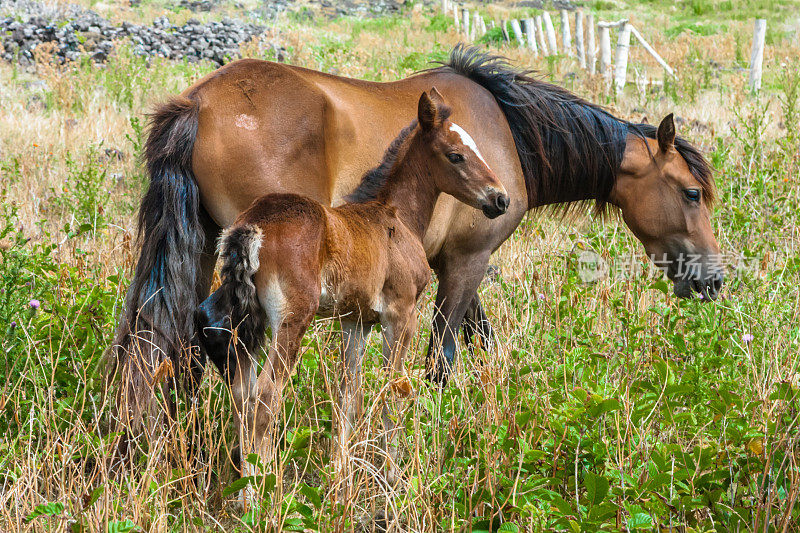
(255, 127)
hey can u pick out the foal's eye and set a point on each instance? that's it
(693, 195)
(455, 157)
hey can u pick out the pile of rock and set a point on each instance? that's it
(86, 32)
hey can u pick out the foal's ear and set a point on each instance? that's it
(666, 134)
(437, 97)
(427, 113)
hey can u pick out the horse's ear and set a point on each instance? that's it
(427, 113)
(437, 97)
(666, 134)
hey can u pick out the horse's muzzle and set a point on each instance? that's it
(708, 288)
(496, 206)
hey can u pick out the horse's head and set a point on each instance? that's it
(456, 165)
(664, 190)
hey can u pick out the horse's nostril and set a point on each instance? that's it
(714, 285)
(501, 202)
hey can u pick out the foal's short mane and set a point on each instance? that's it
(570, 149)
(373, 181)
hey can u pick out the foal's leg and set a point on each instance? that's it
(243, 383)
(287, 338)
(350, 390)
(398, 326)
(459, 277)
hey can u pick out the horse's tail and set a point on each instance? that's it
(157, 329)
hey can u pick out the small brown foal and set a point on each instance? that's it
(288, 258)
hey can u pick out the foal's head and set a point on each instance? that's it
(454, 162)
(664, 195)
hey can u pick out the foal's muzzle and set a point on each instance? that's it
(497, 203)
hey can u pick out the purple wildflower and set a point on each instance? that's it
(747, 338)
(34, 304)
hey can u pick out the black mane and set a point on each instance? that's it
(570, 149)
(374, 179)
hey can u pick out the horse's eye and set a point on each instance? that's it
(693, 195)
(455, 157)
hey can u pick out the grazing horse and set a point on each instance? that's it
(288, 257)
(254, 127)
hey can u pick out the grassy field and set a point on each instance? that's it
(609, 406)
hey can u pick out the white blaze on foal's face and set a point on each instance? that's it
(467, 140)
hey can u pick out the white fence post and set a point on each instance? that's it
(482, 26)
(579, 39)
(605, 52)
(591, 56)
(551, 33)
(465, 22)
(757, 54)
(566, 39)
(455, 17)
(540, 35)
(530, 33)
(504, 25)
(517, 32)
(621, 58)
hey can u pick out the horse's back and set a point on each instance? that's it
(260, 129)
(268, 127)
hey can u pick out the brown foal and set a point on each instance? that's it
(289, 257)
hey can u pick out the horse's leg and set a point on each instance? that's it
(398, 327)
(459, 277)
(350, 390)
(476, 323)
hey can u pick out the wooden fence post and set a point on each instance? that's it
(605, 51)
(483, 26)
(540, 35)
(591, 56)
(530, 33)
(757, 54)
(517, 32)
(455, 17)
(621, 57)
(566, 39)
(504, 25)
(465, 22)
(444, 7)
(551, 33)
(651, 51)
(579, 39)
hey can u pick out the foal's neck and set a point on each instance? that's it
(411, 190)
